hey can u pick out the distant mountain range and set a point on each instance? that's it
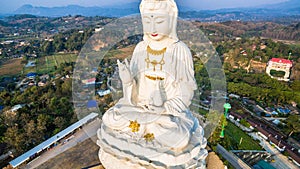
(291, 4)
(288, 8)
(78, 10)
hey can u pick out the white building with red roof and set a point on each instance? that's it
(89, 81)
(279, 64)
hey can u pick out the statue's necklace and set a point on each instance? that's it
(156, 53)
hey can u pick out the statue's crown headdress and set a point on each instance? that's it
(172, 4)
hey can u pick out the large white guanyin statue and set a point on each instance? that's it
(151, 126)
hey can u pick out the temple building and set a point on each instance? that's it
(280, 65)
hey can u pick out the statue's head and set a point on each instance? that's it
(159, 19)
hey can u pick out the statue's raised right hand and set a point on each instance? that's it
(124, 72)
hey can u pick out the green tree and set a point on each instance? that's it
(245, 123)
(15, 138)
(48, 47)
(221, 50)
(60, 122)
(296, 85)
(30, 133)
(293, 124)
(67, 87)
(5, 97)
(42, 123)
(215, 137)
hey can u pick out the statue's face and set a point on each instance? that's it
(156, 24)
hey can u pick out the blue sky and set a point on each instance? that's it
(7, 6)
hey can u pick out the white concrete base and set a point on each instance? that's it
(110, 161)
(119, 152)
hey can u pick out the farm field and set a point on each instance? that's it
(44, 64)
(11, 67)
(49, 63)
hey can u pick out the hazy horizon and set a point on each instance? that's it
(12, 5)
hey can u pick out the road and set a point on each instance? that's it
(86, 132)
(232, 159)
(281, 161)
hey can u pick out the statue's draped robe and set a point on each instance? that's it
(174, 128)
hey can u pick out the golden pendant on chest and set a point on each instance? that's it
(154, 62)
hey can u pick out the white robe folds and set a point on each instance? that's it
(178, 137)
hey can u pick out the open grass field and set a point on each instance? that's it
(11, 67)
(48, 63)
(233, 137)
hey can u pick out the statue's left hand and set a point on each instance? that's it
(124, 72)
